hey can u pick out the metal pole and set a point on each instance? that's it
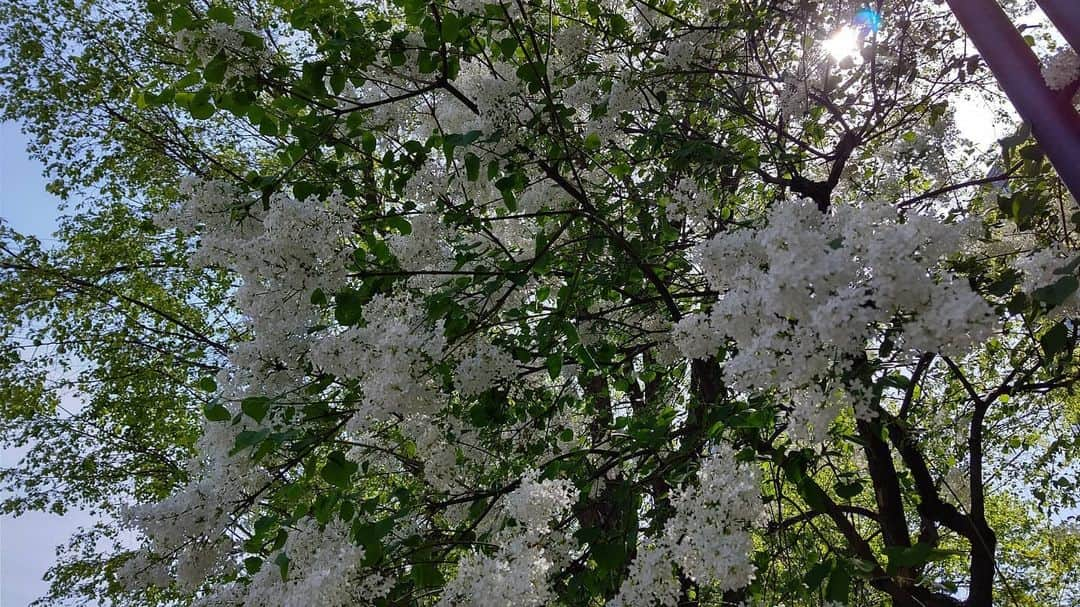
(1054, 121)
(1066, 17)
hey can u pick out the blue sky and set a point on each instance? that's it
(23, 199)
(28, 543)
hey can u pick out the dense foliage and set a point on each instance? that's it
(589, 302)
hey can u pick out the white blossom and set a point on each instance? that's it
(707, 537)
(1062, 69)
(808, 289)
(487, 366)
(518, 573)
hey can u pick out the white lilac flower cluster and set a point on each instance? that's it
(499, 96)
(423, 252)
(1062, 69)
(1045, 266)
(924, 146)
(799, 83)
(812, 413)
(681, 52)
(317, 566)
(470, 6)
(423, 247)
(518, 572)
(794, 99)
(689, 201)
(707, 537)
(282, 252)
(807, 293)
(191, 528)
(582, 94)
(807, 289)
(535, 503)
(324, 568)
(440, 453)
(517, 575)
(956, 487)
(389, 356)
(487, 366)
(143, 569)
(574, 42)
(543, 194)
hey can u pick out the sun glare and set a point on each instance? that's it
(843, 44)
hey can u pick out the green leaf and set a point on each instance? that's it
(915, 556)
(181, 19)
(338, 470)
(400, 224)
(215, 412)
(1011, 142)
(906, 556)
(609, 555)
(373, 553)
(451, 27)
(1004, 284)
(508, 46)
(808, 489)
(157, 99)
(1056, 339)
(214, 72)
(554, 364)
(303, 190)
(188, 80)
(368, 142)
(817, 574)
(849, 490)
(347, 510)
(200, 106)
(1056, 294)
(249, 438)
(1020, 207)
(221, 14)
(1017, 303)
(347, 307)
(754, 418)
(207, 384)
(472, 166)
(427, 575)
(839, 584)
(1031, 152)
(255, 407)
(532, 73)
(337, 81)
(510, 200)
(370, 534)
(282, 561)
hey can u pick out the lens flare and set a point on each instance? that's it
(844, 44)
(867, 19)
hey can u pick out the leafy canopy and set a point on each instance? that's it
(568, 303)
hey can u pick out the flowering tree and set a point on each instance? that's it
(600, 303)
